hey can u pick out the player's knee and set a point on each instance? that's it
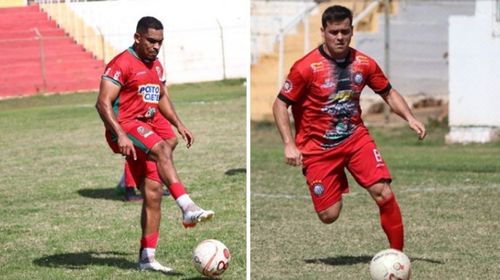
(161, 151)
(331, 214)
(328, 217)
(172, 142)
(153, 192)
(381, 192)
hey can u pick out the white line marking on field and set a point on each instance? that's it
(411, 190)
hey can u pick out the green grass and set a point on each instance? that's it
(448, 196)
(60, 216)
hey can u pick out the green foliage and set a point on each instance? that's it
(61, 218)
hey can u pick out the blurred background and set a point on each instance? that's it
(441, 55)
(61, 46)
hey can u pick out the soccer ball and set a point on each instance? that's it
(211, 258)
(390, 264)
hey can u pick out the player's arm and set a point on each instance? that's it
(397, 104)
(292, 154)
(108, 92)
(168, 111)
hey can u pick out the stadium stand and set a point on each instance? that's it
(266, 26)
(29, 39)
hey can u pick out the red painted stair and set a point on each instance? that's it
(67, 66)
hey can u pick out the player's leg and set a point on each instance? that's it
(130, 185)
(331, 214)
(126, 186)
(390, 214)
(327, 181)
(161, 153)
(370, 171)
(150, 224)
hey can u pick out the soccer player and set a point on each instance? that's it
(323, 89)
(132, 95)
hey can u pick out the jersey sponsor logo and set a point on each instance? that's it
(358, 78)
(106, 73)
(317, 66)
(287, 86)
(150, 93)
(318, 188)
(144, 132)
(362, 60)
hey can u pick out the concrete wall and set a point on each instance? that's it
(193, 50)
(474, 84)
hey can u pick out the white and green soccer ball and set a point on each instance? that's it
(211, 258)
(390, 264)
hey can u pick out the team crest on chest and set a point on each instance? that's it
(358, 78)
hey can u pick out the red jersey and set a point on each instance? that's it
(324, 94)
(140, 83)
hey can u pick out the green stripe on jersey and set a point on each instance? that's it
(116, 106)
(138, 143)
(112, 80)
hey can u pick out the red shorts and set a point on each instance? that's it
(162, 127)
(144, 135)
(325, 174)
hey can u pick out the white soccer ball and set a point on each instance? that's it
(390, 264)
(211, 258)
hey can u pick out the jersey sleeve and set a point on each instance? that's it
(294, 87)
(115, 72)
(377, 81)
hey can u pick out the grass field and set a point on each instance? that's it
(448, 195)
(60, 217)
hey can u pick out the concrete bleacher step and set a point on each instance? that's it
(68, 67)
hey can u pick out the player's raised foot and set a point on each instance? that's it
(154, 266)
(131, 195)
(194, 215)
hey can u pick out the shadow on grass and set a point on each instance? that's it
(83, 260)
(235, 171)
(108, 194)
(351, 260)
(426, 260)
(341, 260)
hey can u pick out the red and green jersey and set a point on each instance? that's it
(324, 95)
(140, 82)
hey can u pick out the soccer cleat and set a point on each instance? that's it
(154, 266)
(131, 195)
(194, 215)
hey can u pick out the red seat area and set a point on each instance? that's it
(66, 65)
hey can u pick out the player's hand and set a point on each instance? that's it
(186, 135)
(126, 147)
(418, 127)
(293, 156)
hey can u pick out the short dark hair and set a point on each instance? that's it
(335, 13)
(148, 22)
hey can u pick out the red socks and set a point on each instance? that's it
(392, 222)
(150, 241)
(177, 189)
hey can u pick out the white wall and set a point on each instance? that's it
(192, 49)
(474, 69)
